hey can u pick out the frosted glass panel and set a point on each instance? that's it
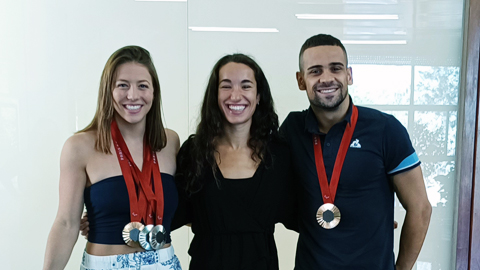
(440, 241)
(439, 179)
(429, 133)
(436, 85)
(53, 53)
(381, 84)
(452, 133)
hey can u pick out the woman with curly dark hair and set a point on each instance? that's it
(233, 175)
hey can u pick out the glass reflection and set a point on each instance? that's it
(452, 133)
(436, 85)
(381, 84)
(429, 133)
(439, 180)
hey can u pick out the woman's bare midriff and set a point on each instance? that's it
(107, 250)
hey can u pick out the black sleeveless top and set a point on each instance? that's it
(234, 220)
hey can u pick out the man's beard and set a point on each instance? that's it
(331, 105)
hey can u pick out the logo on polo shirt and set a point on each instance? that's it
(356, 144)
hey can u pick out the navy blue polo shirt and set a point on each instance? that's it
(380, 148)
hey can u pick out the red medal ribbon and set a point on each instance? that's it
(144, 204)
(329, 191)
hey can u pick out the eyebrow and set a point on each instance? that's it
(330, 64)
(313, 67)
(225, 80)
(229, 81)
(141, 81)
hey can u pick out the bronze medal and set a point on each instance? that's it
(131, 233)
(328, 216)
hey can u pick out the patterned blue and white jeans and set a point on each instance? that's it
(162, 259)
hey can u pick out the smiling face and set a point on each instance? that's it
(325, 77)
(237, 93)
(132, 92)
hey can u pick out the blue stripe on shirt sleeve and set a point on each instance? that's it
(408, 162)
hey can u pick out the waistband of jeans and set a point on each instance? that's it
(128, 260)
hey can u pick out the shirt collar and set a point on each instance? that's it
(311, 122)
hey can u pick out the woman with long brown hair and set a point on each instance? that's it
(234, 177)
(121, 167)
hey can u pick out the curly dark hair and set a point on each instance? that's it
(211, 127)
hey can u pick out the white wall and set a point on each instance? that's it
(52, 53)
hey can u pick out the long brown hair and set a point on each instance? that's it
(154, 131)
(264, 126)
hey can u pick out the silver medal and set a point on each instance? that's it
(157, 237)
(143, 237)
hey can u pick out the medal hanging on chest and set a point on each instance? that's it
(328, 215)
(145, 194)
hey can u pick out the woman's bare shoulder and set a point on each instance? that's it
(173, 141)
(80, 145)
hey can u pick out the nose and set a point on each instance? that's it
(326, 78)
(132, 93)
(236, 94)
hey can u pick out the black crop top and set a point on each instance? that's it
(108, 208)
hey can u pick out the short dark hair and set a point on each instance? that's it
(320, 40)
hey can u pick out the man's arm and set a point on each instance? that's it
(411, 192)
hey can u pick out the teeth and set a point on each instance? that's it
(327, 91)
(133, 107)
(237, 107)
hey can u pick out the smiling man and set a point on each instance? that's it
(350, 161)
